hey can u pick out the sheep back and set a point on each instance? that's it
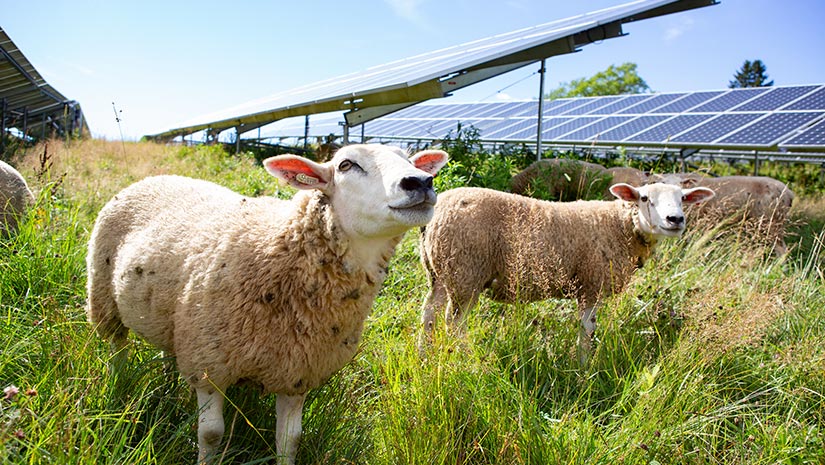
(15, 198)
(528, 250)
(237, 288)
(560, 179)
(626, 175)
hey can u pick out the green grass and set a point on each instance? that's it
(714, 354)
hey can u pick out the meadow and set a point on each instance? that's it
(714, 354)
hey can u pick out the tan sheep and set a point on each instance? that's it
(257, 289)
(761, 202)
(560, 179)
(624, 175)
(15, 198)
(526, 250)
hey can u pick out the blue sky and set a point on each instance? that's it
(162, 63)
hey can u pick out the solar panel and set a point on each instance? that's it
(729, 99)
(770, 128)
(596, 128)
(651, 103)
(663, 132)
(814, 136)
(633, 126)
(814, 101)
(775, 99)
(715, 128)
(496, 121)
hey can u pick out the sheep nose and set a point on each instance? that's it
(676, 220)
(414, 183)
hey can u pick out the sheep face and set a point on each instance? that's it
(375, 190)
(660, 205)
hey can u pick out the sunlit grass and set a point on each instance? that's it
(713, 354)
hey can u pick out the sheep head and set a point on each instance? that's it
(374, 190)
(660, 205)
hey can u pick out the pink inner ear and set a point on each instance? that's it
(623, 192)
(429, 161)
(292, 165)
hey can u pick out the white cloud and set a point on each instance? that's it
(676, 30)
(407, 9)
(503, 96)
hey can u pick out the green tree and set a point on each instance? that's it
(752, 74)
(615, 80)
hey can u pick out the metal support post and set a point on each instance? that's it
(541, 111)
(306, 132)
(2, 125)
(755, 163)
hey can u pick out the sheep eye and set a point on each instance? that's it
(345, 165)
(643, 198)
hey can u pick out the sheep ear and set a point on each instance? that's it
(696, 195)
(429, 161)
(625, 192)
(299, 172)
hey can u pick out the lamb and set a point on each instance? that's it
(560, 179)
(525, 249)
(761, 201)
(15, 198)
(256, 289)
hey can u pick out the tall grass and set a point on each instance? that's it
(713, 354)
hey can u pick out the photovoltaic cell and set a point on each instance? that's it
(815, 101)
(663, 132)
(563, 106)
(592, 104)
(716, 128)
(553, 133)
(691, 100)
(651, 103)
(632, 127)
(814, 136)
(770, 128)
(526, 109)
(596, 128)
(729, 99)
(516, 126)
(476, 110)
(775, 99)
(620, 105)
(528, 132)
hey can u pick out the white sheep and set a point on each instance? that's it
(15, 198)
(524, 249)
(256, 289)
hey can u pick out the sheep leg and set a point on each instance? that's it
(288, 426)
(436, 299)
(120, 355)
(210, 422)
(456, 309)
(588, 327)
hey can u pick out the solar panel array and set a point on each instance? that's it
(437, 73)
(763, 118)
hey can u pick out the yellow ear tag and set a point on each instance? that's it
(305, 179)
